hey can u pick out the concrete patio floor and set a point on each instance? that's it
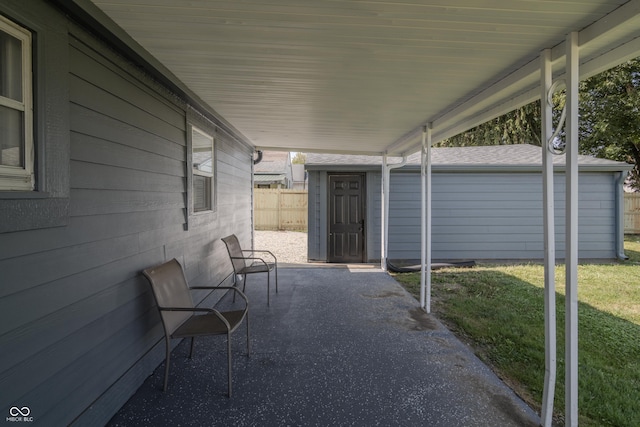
(338, 346)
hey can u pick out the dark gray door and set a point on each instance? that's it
(346, 218)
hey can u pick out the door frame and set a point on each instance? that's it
(363, 202)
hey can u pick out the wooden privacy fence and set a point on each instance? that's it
(277, 209)
(632, 213)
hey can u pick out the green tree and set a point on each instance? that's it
(610, 116)
(521, 126)
(609, 120)
(299, 158)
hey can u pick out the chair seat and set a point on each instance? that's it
(253, 263)
(256, 268)
(209, 324)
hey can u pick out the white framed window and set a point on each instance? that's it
(203, 163)
(16, 108)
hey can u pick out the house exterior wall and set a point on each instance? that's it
(299, 176)
(274, 170)
(480, 216)
(289, 172)
(80, 330)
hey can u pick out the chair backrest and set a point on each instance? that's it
(170, 289)
(235, 252)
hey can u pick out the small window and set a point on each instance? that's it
(16, 115)
(203, 170)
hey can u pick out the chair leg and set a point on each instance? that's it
(268, 287)
(235, 283)
(276, 268)
(167, 361)
(248, 338)
(229, 363)
(191, 351)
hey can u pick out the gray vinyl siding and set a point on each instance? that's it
(79, 328)
(317, 216)
(313, 217)
(374, 216)
(498, 216)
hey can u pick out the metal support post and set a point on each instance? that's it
(383, 215)
(571, 252)
(549, 240)
(425, 270)
(386, 185)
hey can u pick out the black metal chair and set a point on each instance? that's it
(245, 265)
(181, 319)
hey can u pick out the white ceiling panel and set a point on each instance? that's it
(363, 76)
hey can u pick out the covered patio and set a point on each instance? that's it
(115, 99)
(338, 346)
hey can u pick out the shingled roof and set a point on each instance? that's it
(499, 157)
(272, 162)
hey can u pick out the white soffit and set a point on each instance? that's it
(365, 76)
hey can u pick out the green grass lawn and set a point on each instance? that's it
(499, 311)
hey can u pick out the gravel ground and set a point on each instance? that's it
(287, 246)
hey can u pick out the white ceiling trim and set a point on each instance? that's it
(522, 86)
(342, 76)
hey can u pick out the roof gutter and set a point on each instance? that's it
(619, 192)
(259, 158)
(386, 179)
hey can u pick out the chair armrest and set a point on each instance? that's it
(193, 309)
(224, 287)
(251, 258)
(262, 251)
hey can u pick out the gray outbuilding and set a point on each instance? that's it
(487, 205)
